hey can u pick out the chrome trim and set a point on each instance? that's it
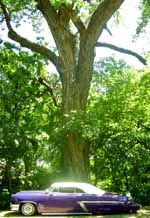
(14, 207)
(46, 213)
(82, 205)
(102, 202)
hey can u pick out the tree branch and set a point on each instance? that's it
(45, 83)
(100, 17)
(58, 23)
(122, 50)
(49, 13)
(78, 22)
(47, 53)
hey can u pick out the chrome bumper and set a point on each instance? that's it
(14, 207)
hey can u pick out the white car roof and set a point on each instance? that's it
(86, 187)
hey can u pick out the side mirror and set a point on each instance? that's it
(47, 191)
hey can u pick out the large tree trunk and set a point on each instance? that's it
(76, 158)
(76, 63)
(75, 89)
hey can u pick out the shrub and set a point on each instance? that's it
(5, 199)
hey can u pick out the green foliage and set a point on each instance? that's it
(116, 125)
(145, 16)
(27, 121)
(19, 5)
(57, 3)
(4, 196)
(120, 112)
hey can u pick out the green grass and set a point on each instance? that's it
(140, 214)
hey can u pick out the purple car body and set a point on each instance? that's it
(71, 198)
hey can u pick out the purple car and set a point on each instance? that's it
(71, 198)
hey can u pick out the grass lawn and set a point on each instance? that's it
(140, 214)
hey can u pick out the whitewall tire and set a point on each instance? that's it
(28, 209)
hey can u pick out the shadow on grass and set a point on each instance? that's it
(140, 214)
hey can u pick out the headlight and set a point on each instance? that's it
(14, 200)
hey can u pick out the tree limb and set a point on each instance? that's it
(122, 50)
(45, 83)
(100, 17)
(35, 47)
(58, 23)
(49, 13)
(27, 43)
(78, 22)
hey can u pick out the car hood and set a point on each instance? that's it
(28, 193)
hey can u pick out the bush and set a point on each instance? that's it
(5, 199)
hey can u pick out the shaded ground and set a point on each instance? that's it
(140, 214)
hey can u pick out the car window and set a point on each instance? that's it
(55, 189)
(67, 190)
(78, 190)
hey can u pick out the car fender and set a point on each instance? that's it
(31, 202)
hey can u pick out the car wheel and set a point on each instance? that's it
(28, 209)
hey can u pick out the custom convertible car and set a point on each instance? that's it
(71, 198)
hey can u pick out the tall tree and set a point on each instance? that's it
(75, 38)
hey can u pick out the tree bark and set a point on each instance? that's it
(9, 179)
(75, 150)
(76, 158)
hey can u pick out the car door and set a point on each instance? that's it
(88, 202)
(63, 200)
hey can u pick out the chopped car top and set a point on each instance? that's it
(86, 188)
